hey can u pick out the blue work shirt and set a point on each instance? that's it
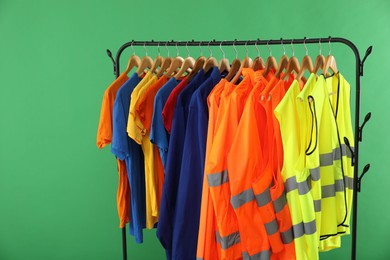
(158, 134)
(172, 169)
(188, 202)
(125, 148)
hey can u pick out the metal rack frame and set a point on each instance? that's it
(359, 67)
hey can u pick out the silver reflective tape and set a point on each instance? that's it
(287, 236)
(304, 229)
(349, 182)
(291, 184)
(263, 198)
(339, 185)
(198, 258)
(328, 191)
(304, 187)
(337, 154)
(271, 227)
(245, 256)
(280, 202)
(328, 158)
(315, 174)
(263, 255)
(229, 240)
(317, 205)
(331, 189)
(217, 179)
(242, 198)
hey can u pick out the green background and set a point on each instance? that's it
(58, 191)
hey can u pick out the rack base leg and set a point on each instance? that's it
(124, 248)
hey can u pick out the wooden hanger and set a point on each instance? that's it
(134, 61)
(224, 64)
(235, 67)
(146, 62)
(283, 62)
(319, 63)
(270, 63)
(187, 65)
(210, 62)
(292, 65)
(330, 63)
(157, 61)
(258, 62)
(306, 64)
(246, 63)
(165, 65)
(176, 64)
(199, 63)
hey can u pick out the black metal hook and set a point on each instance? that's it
(109, 54)
(348, 144)
(359, 180)
(368, 52)
(366, 119)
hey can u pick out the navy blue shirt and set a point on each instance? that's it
(125, 148)
(188, 202)
(172, 169)
(158, 135)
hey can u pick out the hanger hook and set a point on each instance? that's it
(330, 50)
(132, 47)
(200, 48)
(284, 49)
(208, 47)
(235, 50)
(257, 48)
(158, 49)
(246, 48)
(146, 51)
(292, 47)
(319, 42)
(177, 50)
(269, 48)
(188, 51)
(166, 47)
(223, 53)
(304, 44)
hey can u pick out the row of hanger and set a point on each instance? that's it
(178, 67)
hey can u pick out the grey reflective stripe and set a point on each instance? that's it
(263, 198)
(198, 258)
(263, 255)
(287, 236)
(280, 202)
(317, 205)
(229, 240)
(291, 184)
(331, 189)
(304, 229)
(304, 187)
(242, 198)
(328, 158)
(271, 227)
(217, 179)
(315, 174)
(349, 182)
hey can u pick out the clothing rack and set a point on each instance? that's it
(359, 68)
